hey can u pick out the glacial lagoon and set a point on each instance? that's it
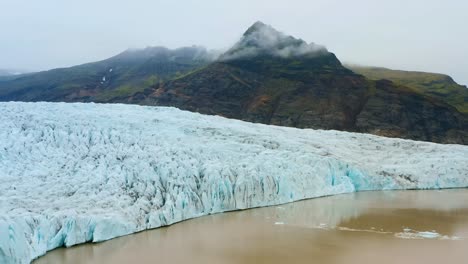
(368, 227)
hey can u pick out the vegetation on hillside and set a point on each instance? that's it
(435, 85)
(121, 76)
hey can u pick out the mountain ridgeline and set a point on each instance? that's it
(266, 77)
(121, 76)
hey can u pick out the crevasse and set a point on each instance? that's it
(76, 173)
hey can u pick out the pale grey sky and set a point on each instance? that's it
(425, 35)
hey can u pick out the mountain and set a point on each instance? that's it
(266, 77)
(271, 78)
(124, 75)
(436, 85)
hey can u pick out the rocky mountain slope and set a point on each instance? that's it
(123, 75)
(436, 85)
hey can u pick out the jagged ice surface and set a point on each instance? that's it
(75, 173)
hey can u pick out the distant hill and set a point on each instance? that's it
(10, 74)
(122, 76)
(4, 72)
(266, 77)
(436, 85)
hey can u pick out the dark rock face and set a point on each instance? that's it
(398, 112)
(435, 85)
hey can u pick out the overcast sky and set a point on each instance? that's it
(425, 35)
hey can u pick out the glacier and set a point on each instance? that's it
(77, 173)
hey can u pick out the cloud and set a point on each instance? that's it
(261, 39)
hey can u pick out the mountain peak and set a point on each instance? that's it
(262, 39)
(257, 26)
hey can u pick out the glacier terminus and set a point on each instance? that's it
(77, 173)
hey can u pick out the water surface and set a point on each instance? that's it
(370, 227)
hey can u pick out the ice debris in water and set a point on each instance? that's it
(412, 234)
(428, 234)
(76, 173)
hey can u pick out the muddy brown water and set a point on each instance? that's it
(369, 227)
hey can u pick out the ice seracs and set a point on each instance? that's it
(76, 173)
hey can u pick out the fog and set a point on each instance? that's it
(419, 35)
(261, 38)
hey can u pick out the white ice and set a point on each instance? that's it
(76, 173)
(411, 234)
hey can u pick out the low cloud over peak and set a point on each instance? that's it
(262, 39)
